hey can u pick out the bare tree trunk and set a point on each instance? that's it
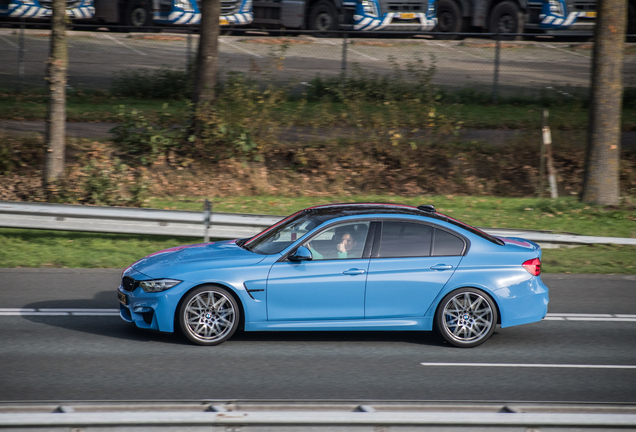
(56, 113)
(600, 184)
(207, 55)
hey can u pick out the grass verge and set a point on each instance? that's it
(473, 113)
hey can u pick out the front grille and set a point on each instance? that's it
(129, 284)
(583, 6)
(228, 7)
(413, 6)
(70, 4)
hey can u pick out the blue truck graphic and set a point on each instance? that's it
(40, 9)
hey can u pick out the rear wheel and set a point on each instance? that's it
(323, 19)
(449, 20)
(466, 317)
(209, 315)
(506, 18)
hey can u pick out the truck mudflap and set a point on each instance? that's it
(34, 10)
(395, 21)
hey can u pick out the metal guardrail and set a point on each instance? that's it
(326, 415)
(122, 220)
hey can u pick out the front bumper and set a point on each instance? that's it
(393, 21)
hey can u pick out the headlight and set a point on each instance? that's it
(556, 7)
(158, 285)
(369, 8)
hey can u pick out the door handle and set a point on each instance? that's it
(353, 271)
(441, 267)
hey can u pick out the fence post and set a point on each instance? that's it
(344, 54)
(547, 143)
(21, 56)
(495, 83)
(207, 216)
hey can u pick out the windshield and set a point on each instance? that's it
(277, 237)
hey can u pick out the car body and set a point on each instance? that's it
(342, 267)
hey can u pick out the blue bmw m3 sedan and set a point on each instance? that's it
(342, 267)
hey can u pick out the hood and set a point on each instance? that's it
(186, 258)
(519, 243)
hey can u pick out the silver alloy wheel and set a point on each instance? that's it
(209, 316)
(468, 317)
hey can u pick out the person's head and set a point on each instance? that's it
(348, 241)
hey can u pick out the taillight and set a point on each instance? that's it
(533, 266)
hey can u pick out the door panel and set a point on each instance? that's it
(405, 287)
(314, 290)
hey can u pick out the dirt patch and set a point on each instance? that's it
(585, 46)
(491, 45)
(372, 43)
(274, 41)
(160, 38)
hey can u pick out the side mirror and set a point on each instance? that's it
(301, 254)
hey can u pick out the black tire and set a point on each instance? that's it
(466, 317)
(138, 15)
(323, 19)
(449, 20)
(208, 315)
(506, 18)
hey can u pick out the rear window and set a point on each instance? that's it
(446, 244)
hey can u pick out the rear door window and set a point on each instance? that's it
(447, 244)
(405, 239)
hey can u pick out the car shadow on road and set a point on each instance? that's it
(113, 326)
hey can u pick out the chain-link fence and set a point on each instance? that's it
(475, 62)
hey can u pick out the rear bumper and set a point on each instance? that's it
(524, 303)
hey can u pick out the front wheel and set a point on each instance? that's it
(209, 315)
(506, 18)
(466, 317)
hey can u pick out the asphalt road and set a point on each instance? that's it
(96, 57)
(75, 357)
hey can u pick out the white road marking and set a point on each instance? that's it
(9, 42)
(531, 365)
(122, 44)
(58, 312)
(349, 49)
(590, 317)
(564, 50)
(239, 48)
(456, 49)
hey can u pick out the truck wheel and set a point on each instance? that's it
(323, 19)
(138, 15)
(449, 20)
(506, 18)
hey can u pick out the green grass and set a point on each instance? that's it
(563, 214)
(35, 248)
(102, 107)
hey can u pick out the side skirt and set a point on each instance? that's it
(398, 324)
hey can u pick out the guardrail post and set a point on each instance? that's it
(495, 84)
(21, 56)
(207, 216)
(344, 54)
